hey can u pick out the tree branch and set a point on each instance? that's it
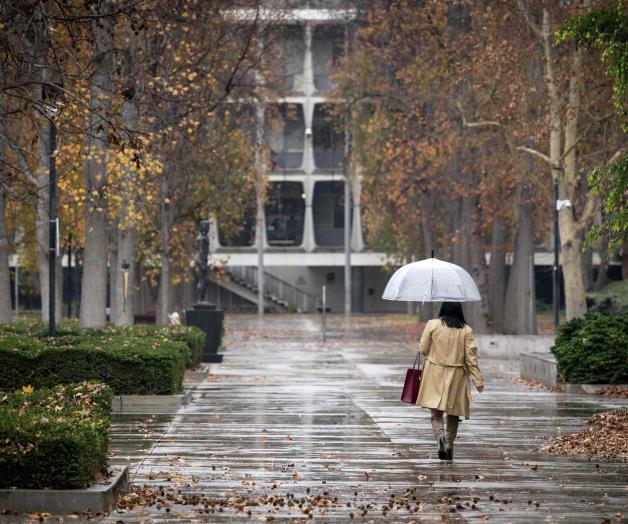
(535, 153)
(481, 123)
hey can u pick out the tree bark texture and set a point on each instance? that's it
(94, 282)
(123, 310)
(520, 311)
(497, 276)
(565, 169)
(163, 298)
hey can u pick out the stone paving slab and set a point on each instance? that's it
(284, 415)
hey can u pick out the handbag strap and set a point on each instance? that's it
(417, 360)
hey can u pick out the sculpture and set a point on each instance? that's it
(200, 263)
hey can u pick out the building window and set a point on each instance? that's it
(327, 48)
(328, 139)
(240, 233)
(285, 212)
(328, 210)
(292, 49)
(285, 129)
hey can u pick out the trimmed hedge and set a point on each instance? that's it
(192, 336)
(54, 438)
(129, 365)
(593, 349)
(610, 300)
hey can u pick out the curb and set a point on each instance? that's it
(98, 498)
(197, 375)
(589, 389)
(152, 404)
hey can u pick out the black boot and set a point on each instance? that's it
(439, 429)
(452, 432)
(442, 451)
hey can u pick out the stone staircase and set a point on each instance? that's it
(279, 295)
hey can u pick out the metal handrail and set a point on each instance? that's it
(277, 289)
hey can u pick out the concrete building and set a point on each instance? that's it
(303, 237)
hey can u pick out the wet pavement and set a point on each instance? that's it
(290, 429)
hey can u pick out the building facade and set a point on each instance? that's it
(304, 234)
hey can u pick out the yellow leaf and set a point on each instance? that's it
(28, 389)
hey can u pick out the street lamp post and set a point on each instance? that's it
(558, 206)
(53, 224)
(555, 283)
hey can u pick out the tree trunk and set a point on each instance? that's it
(163, 298)
(123, 309)
(602, 274)
(564, 169)
(426, 311)
(520, 314)
(497, 276)
(470, 255)
(571, 253)
(94, 282)
(587, 269)
(571, 231)
(6, 315)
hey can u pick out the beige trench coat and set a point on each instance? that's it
(451, 358)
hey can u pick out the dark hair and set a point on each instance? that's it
(451, 315)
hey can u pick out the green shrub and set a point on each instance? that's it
(54, 438)
(593, 349)
(610, 300)
(193, 337)
(69, 330)
(128, 364)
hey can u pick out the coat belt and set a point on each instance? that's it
(442, 364)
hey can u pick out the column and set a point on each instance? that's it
(357, 237)
(309, 240)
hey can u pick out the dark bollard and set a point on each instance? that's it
(209, 319)
(203, 314)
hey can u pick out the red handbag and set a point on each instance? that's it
(413, 382)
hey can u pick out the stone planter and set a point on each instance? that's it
(541, 367)
(98, 498)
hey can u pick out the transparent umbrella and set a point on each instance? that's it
(431, 280)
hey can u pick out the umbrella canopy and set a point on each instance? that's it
(431, 280)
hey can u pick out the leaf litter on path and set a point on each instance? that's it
(606, 438)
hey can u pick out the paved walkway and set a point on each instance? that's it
(287, 428)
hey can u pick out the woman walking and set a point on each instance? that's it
(451, 358)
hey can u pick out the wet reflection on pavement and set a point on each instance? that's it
(288, 429)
